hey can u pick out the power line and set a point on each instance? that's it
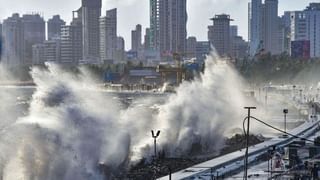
(270, 126)
(277, 129)
(243, 126)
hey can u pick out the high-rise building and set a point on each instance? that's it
(255, 26)
(136, 37)
(233, 31)
(164, 30)
(239, 47)
(178, 25)
(271, 43)
(48, 51)
(313, 28)
(91, 12)
(34, 32)
(20, 34)
(297, 28)
(202, 50)
(52, 50)
(191, 47)
(266, 29)
(300, 49)
(71, 47)
(150, 53)
(71, 40)
(173, 26)
(147, 40)
(38, 54)
(120, 51)
(12, 33)
(108, 35)
(304, 31)
(154, 34)
(286, 24)
(282, 37)
(120, 43)
(219, 34)
(54, 27)
(298, 25)
(286, 18)
(168, 26)
(1, 41)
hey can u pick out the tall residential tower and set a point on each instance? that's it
(168, 26)
(272, 27)
(12, 33)
(136, 37)
(71, 40)
(54, 27)
(313, 28)
(266, 29)
(255, 26)
(91, 12)
(108, 35)
(154, 35)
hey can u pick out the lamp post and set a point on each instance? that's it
(285, 112)
(266, 97)
(155, 136)
(247, 143)
(294, 92)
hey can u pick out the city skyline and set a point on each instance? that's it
(127, 8)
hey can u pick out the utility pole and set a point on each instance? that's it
(155, 136)
(247, 142)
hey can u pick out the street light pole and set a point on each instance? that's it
(294, 92)
(155, 136)
(170, 173)
(266, 98)
(247, 143)
(285, 112)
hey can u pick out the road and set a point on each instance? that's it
(234, 161)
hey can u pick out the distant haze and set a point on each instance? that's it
(132, 12)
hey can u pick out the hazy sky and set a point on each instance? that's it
(132, 12)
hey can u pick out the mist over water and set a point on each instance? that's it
(71, 127)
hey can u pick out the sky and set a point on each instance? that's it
(132, 12)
